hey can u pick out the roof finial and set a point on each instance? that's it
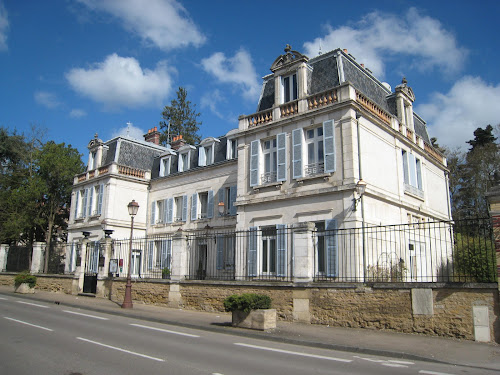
(320, 51)
(96, 136)
(404, 81)
(288, 48)
(129, 124)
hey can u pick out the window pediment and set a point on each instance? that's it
(289, 58)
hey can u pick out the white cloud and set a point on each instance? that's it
(129, 130)
(453, 117)
(77, 113)
(47, 99)
(4, 27)
(165, 23)
(121, 82)
(212, 100)
(379, 36)
(237, 70)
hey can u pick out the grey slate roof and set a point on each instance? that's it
(131, 153)
(324, 75)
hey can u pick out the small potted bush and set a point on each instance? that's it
(165, 273)
(251, 310)
(25, 283)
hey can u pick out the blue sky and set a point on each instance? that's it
(77, 67)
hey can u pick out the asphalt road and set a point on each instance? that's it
(39, 338)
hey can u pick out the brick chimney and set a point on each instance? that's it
(153, 136)
(177, 142)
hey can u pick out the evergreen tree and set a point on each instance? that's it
(182, 117)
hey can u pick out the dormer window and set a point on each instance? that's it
(183, 164)
(206, 152)
(165, 166)
(289, 88)
(232, 149)
(92, 160)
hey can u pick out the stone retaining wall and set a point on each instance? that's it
(448, 310)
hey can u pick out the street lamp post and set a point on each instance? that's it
(133, 207)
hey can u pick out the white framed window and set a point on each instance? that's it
(225, 251)
(289, 88)
(267, 251)
(232, 149)
(183, 162)
(313, 150)
(412, 172)
(315, 154)
(227, 195)
(206, 151)
(268, 160)
(165, 164)
(202, 205)
(180, 208)
(92, 160)
(326, 263)
(160, 209)
(96, 199)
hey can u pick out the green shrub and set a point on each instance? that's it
(165, 273)
(25, 277)
(247, 301)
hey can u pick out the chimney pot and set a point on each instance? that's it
(345, 50)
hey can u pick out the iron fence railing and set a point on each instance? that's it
(419, 252)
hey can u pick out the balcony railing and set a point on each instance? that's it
(268, 178)
(128, 171)
(289, 109)
(322, 99)
(260, 118)
(314, 169)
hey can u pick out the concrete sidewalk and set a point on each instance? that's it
(398, 345)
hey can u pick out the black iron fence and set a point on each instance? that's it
(419, 252)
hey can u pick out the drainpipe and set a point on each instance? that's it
(358, 116)
(447, 181)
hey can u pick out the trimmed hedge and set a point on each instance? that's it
(25, 277)
(247, 301)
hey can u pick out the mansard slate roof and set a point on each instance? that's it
(219, 156)
(131, 152)
(324, 74)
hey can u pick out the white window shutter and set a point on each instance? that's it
(252, 252)
(413, 170)
(254, 162)
(184, 207)
(170, 210)
(281, 260)
(210, 204)
(232, 198)
(281, 146)
(77, 199)
(220, 252)
(99, 202)
(297, 135)
(84, 205)
(153, 213)
(91, 199)
(406, 172)
(329, 145)
(331, 248)
(194, 206)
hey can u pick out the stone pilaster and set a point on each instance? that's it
(37, 257)
(303, 252)
(104, 257)
(4, 252)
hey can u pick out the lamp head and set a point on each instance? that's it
(133, 207)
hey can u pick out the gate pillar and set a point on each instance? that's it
(4, 251)
(80, 267)
(102, 276)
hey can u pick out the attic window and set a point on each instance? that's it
(289, 89)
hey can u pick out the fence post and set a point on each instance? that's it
(303, 251)
(4, 252)
(179, 257)
(80, 267)
(37, 257)
(102, 276)
(493, 197)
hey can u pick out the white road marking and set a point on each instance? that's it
(401, 362)
(433, 372)
(164, 330)
(294, 353)
(3, 298)
(33, 304)
(121, 350)
(87, 315)
(28, 324)
(393, 365)
(369, 359)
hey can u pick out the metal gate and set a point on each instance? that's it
(91, 267)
